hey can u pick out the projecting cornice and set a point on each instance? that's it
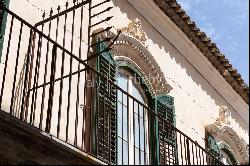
(174, 35)
(174, 11)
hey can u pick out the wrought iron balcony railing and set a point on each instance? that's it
(50, 88)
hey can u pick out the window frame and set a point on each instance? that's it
(128, 71)
(132, 67)
(218, 146)
(229, 152)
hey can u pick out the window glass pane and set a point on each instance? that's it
(142, 132)
(135, 92)
(225, 159)
(142, 157)
(119, 150)
(119, 95)
(122, 156)
(137, 157)
(122, 98)
(141, 110)
(136, 130)
(125, 124)
(135, 107)
(136, 124)
(139, 131)
(120, 119)
(125, 153)
(123, 81)
(125, 99)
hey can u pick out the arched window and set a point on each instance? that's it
(124, 115)
(226, 157)
(132, 119)
(221, 151)
(228, 143)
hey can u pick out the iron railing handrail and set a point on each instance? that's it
(52, 41)
(43, 35)
(62, 13)
(34, 29)
(88, 67)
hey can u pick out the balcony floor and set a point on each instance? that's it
(21, 143)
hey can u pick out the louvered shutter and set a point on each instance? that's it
(106, 106)
(3, 20)
(213, 147)
(166, 152)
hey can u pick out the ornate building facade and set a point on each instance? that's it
(144, 86)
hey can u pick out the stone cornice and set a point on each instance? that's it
(173, 34)
(174, 11)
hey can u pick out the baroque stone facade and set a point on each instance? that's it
(172, 55)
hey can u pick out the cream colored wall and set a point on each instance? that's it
(197, 102)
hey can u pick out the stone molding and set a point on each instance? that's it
(223, 118)
(223, 133)
(129, 48)
(174, 35)
(209, 49)
(134, 29)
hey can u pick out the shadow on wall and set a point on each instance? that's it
(184, 65)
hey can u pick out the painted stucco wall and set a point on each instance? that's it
(197, 102)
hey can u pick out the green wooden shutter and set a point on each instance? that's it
(165, 136)
(106, 106)
(213, 147)
(3, 20)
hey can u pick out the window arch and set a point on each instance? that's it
(130, 106)
(221, 150)
(226, 138)
(226, 154)
(226, 157)
(137, 74)
(133, 128)
(128, 49)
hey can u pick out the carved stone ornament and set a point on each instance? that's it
(134, 29)
(221, 130)
(223, 118)
(128, 49)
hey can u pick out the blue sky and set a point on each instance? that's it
(226, 22)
